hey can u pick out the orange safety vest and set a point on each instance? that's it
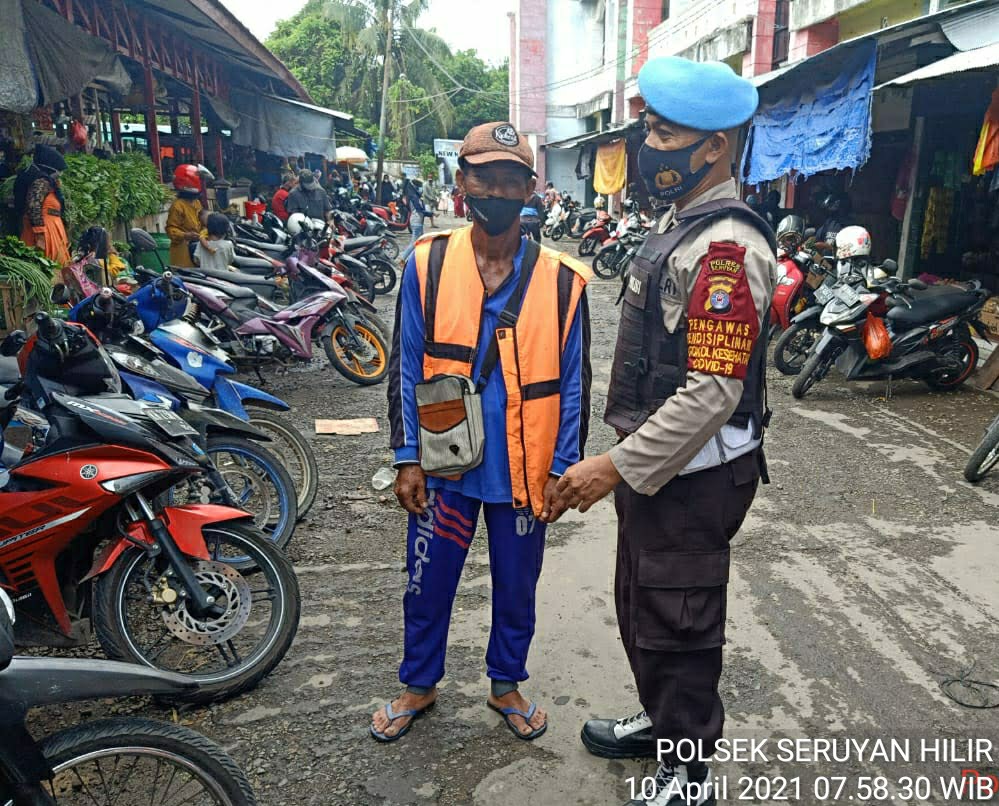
(530, 353)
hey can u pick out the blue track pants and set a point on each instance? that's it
(437, 545)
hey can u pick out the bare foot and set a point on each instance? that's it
(517, 700)
(404, 702)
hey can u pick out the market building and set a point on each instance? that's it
(572, 88)
(189, 80)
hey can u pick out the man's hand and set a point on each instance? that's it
(587, 482)
(554, 505)
(411, 489)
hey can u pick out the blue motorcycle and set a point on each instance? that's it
(159, 305)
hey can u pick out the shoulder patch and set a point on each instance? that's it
(722, 318)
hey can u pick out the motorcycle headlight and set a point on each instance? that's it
(132, 363)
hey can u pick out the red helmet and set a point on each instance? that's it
(187, 177)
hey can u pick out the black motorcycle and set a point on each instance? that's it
(120, 760)
(930, 335)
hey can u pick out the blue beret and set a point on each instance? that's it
(708, 96)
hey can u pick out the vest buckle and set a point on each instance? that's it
(507, 318)
(642, 365)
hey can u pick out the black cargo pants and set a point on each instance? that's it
(671, 589)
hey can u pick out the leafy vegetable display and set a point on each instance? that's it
(27, 271)
(141, 191)
(101, 192)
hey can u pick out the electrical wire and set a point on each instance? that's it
(987, 694)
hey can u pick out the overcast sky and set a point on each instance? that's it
(464, 24)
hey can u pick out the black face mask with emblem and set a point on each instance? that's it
(667, 174)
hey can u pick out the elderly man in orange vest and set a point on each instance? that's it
(489, 404)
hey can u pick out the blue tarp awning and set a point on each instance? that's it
(815, 128)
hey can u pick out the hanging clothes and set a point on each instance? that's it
(936, 224)
(584, 162)
(987, 150)
(611, 169)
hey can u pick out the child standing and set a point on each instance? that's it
(216, 251)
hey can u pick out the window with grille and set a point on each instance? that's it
(782, 33)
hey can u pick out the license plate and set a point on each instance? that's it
(823, 294)
(170, 423)
(847, 295)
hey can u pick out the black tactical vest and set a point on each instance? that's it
(650, 364)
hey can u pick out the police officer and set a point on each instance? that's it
(687, 399)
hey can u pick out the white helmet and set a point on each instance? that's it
(296, 223)
(853, 242)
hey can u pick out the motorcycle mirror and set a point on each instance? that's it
(60, 295)
(141, 240)
(12, 345)
(889, 266)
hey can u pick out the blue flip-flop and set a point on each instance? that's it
(506, 713)
(415, 713)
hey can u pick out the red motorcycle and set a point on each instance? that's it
(88, 538)
(598, 233)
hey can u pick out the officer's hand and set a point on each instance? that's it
(554, 504)
(587, 482)
(411, 489)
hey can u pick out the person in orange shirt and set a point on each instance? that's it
(39, 204)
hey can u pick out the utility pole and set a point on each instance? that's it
(383, 123)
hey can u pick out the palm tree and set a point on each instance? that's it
(383, 34)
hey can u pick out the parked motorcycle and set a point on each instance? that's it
(985, 456)
(597, 234)
(87, 536)
(123, 760)
(613, 258)
(930, 336)
(801, 293)
(169, 366)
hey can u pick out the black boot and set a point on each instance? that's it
(680, 785)
(620, 738)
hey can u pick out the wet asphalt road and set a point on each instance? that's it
(865, 574)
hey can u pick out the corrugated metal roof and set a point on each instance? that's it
(592, 137)
(960, 62)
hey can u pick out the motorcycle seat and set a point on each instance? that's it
(354, 244)
(264, 246)
(9, 371)
(235, 278)
(929, 307)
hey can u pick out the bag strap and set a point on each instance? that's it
(511, 313)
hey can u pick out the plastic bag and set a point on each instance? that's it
(876, 338)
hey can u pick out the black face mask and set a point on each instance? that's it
(667, 174)
(495, 215)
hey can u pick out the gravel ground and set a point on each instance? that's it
(865, 574)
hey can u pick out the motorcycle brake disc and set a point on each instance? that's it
(231, 592)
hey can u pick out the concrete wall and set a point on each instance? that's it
(575, 31)
(856, 17)
(718, 22)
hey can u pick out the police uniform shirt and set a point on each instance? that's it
(673, 438)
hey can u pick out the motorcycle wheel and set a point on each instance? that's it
(384, 274)
(365, 368)
(260, 484)
(294, 450)
(808, 376)
(126, 760)
(391, 249)
(947, 380)
(364, 284)
(607, 263)
(227, 654)
(547, 232)
(792, 348)
(587, 246)
(985, 456)
(557, 232)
